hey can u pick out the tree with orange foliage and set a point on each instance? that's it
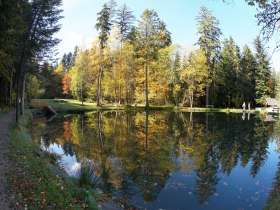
(66, 81)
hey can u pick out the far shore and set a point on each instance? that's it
(69, 105)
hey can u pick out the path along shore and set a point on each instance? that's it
(7, 200)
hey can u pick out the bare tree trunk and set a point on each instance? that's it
(207, 95)
(127, 85)
(11, 88)
(147, 86)
(120, 94)
(22, 94)
(82, 96)
(147, 91)
(18, 98)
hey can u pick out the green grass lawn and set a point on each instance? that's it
(64, 105)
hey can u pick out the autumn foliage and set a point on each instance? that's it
(66, 79)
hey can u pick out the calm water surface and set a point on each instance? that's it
(167, 160)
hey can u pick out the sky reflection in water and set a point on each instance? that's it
(178, 161)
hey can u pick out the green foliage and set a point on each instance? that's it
(263, 73)
(209, 41)
(33, 87)
(248, 67)
(125, 19)
(104, 21)
(230, 90)
(277, 88)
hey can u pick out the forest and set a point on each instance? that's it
(133, 61)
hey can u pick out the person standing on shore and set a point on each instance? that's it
(244, 106)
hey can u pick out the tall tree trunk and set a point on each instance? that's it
(127, 85)
(11, 88)
(147, 91)
(22, 93)
(207, 95)
(21, 69)
(120, 94)
(82, 97)
(18, 98)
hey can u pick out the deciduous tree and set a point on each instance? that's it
(195, 74)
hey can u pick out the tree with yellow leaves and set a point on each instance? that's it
(194, 74)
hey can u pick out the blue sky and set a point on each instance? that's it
(236, 20)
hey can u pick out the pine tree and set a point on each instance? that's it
(248, 72)
(125, 20)
(263, 73)
(209, 31)
(230, 93)
(37, 42)
(105, 21)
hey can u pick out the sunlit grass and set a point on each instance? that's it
(68, 105)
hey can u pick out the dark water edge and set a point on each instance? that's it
(168, 160)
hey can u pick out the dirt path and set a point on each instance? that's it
(6, 123)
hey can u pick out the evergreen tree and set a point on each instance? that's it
(248, 72)
(263, 73)
(105, 21)
(67, 61)
(37, 42)
(209, 31)
(230, 91)
(13, 24)
(125, 20)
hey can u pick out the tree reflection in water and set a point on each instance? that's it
(138, 151)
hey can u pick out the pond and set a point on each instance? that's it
(170, 160)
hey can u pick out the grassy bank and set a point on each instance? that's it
(64, 106)
(37, 180)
